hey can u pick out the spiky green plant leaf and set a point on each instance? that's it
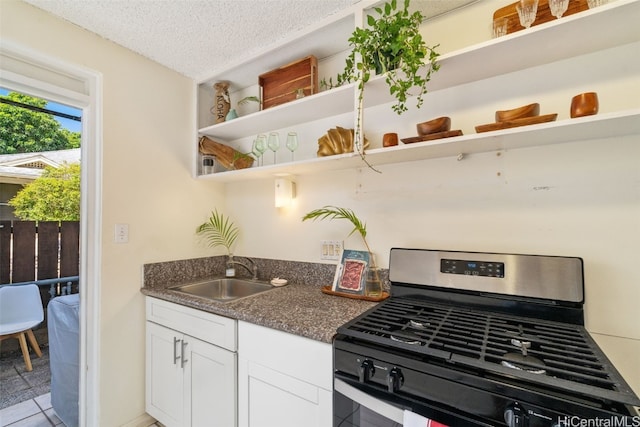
(218, 231)
(335, 212)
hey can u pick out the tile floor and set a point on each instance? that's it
(25, 398)
(16, 384)
(35, 412)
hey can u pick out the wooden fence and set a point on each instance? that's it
(32, 250)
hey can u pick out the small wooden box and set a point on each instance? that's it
(281, 85)
(543, 15)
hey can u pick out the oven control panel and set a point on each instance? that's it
(472, 268)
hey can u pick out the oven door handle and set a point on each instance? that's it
(381, 407)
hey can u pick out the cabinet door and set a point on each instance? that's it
(210, 385)
(164, 375)
(277, 399)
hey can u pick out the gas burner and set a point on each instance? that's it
(405, 340)
(522, 345)
(409, 333)
(523, 363)
(418, 325)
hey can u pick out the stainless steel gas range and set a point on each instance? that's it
(477, 339)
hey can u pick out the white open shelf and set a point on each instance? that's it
(570, 130)
(613, 24)
(321, 105)
(568, 37)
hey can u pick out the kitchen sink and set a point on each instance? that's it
(224, 289)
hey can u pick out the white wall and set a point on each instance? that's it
(575, 199)
(147, 183)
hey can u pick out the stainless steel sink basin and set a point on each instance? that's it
(224, 289)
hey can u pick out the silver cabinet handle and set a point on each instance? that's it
(184, 359)
(175, 350)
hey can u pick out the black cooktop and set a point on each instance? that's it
(536, 351)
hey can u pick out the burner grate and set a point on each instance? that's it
(565, 353)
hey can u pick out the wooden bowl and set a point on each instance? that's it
(530, 110)
(584, 104)
(441, 124)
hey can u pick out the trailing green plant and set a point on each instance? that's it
(218, 230)
(390, 44)
(335, 212)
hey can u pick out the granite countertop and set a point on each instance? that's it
(298, 309)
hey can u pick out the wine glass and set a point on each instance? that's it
(261, 146)
(274, 144)
(255, 152)
(292, 142)
(527, 10)
(558, 7)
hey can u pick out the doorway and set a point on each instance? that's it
(38, 75)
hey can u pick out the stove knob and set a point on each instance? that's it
(366, 371)
(514, 415)
(395, 380)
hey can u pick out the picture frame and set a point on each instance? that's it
(351, 272)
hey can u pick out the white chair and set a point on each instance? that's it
(20, 311)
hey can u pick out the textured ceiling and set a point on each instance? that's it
(198, 37)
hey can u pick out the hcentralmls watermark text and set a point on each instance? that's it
(568, 421)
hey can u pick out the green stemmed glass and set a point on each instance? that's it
(261, 147)
(292, 142)
(274, 144)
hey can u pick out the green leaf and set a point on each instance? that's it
(218, 231)
(334, 212)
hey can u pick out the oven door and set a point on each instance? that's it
(368, 405)
(353, 407)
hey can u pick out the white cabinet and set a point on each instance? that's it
(284, 380)
(544, 44)
(164, 375)
(190, 366)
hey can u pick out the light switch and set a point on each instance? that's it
(121, 233)
(331, 250)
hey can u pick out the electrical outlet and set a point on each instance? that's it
(121, 234)
(331, 250)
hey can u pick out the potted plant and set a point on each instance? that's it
(334, 212)
(390, 44)
(219, 231)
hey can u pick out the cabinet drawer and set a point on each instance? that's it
(302, 358)
(208, 327)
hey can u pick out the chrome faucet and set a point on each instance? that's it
(253, 269)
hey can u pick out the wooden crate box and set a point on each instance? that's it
(281, 85)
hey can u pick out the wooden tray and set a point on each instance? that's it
(543, 15)
(327, 290)
(525, 121)
(279, 86)
(432, 136)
